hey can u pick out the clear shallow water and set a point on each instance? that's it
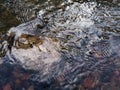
(80, 49)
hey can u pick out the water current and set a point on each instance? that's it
(60, 45)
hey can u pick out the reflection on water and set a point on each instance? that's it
(14, 12)
(69, 46)
(7, 18)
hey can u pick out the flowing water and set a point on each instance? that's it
(60, 45)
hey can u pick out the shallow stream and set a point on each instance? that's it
(61, 45)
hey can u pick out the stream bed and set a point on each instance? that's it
(60, 45)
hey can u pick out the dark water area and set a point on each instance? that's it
(83, 66)
(10, 17)
(7, 18)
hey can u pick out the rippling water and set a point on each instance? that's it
(79, 49)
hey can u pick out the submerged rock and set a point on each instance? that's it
(28, 41)
(101, 49)
(106, 48)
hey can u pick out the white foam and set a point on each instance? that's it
(41, 12)
(47, 56)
